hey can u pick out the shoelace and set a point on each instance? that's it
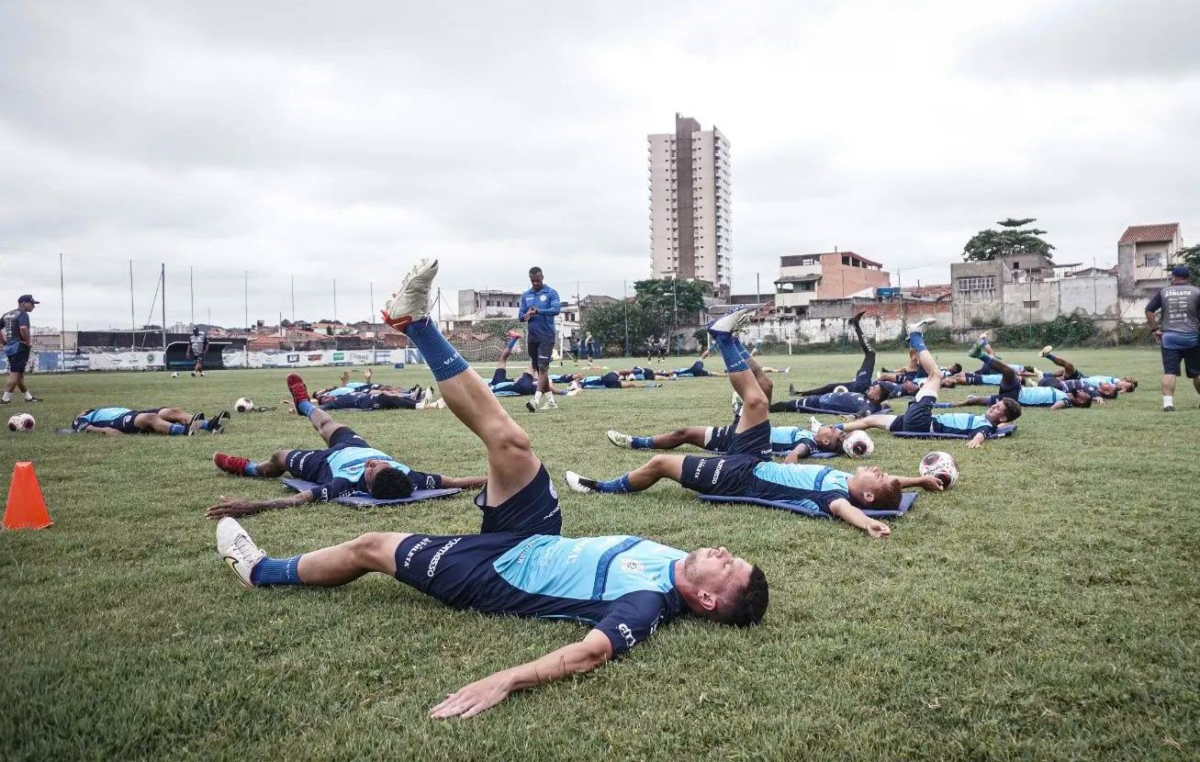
(246, 550)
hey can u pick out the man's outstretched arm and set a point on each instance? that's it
(481, 695)
(231, 507)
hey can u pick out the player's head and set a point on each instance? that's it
(872, 488)
(1106, 390)
(724, 588)
(909, 387)
(535, 277)
(877, 394)
(829, 438)
(1080, 398)
(195, 331)
(1180, 274)
(385, 482)
(955, 369)
(1003, 410)
(1127, 384)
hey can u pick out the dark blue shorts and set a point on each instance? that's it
(1189, 358)
(718, 474)
(539, 352)
(125, 424)
(20, 361)
(1053, 383)
(611, 380)
(307, 464)
(918, 417)
(755, 441)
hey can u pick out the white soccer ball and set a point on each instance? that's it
(175, 374)
(21, 422)
(942, 465)
(858, 445)
(840, 389)
(244, 405)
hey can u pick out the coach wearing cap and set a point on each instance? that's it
(1180, 331)
(17, 346)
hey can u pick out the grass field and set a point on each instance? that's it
(1045, 608)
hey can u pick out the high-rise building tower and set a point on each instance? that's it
(691, 225)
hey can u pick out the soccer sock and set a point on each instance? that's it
(251, 469)
(987, 362)
(734, 362)
(916, 340)
(7, 397)
(615, 485)
(276, 571)
(305, 408)
(641, 443)
(177, 429)
(442, 358)
(205, 425)
(512, 342)
(1168, 400)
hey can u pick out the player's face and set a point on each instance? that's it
(869, 479)
(535, 280)
(995, 412)
(828, 438)
(717, 571)
(371, 469)
(874, 393)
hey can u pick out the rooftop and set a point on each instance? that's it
(1150, 233)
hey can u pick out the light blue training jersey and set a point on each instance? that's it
(1040, 396)
(589, 568)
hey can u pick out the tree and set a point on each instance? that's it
(987, 245)
(1191, 257)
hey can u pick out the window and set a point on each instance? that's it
(1030, 305)
(977, 288)
(1152, 260)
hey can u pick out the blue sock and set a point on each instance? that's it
(512, 342)
(615, 485)
(251, 469)
(917, 341)
(1051, 356)
(641, 443)
(987, 362)
(734, 363)
(177, 430)
(305, 408)
(205, 425)
(443, 359)
(276, 571)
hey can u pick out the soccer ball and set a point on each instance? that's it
(941, 465)
(21, 422)
(858, 445)
(840, 389)
(175, 374)
(244, 405)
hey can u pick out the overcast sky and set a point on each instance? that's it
(343, 140)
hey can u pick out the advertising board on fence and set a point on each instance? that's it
(233, 358)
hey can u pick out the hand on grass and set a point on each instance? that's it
(974, 444)
(932, 484)
(477, 697)
(230, 507)
(877, 529)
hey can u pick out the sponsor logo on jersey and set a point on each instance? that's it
(632, 565)
(717, 471)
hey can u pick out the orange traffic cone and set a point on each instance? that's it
(26, 508)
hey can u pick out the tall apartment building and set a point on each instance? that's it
(691, 223)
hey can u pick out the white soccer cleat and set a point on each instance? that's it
(1046, 350)
(733, 322)
(919, 326)
(548, 402)
(619, 439)
(581, 484)
(813, 424)
(788, 369)
(736, 403)
(237, 549)
(411, 300)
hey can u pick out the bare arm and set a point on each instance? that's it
(928, 483)
(1058, 405)
(231, 507)
(976, 441)
(801, 451)
(102, 430)
(464, 482)
(481, 695)
(847, 512)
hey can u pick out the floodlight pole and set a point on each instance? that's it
(62, 305)
(164, 311)
(132, 317)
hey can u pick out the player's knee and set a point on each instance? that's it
(680, 433)
(754, 405)
(514, 439)
(371, 547)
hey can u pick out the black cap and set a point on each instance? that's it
(1181, 271)
(27, 298)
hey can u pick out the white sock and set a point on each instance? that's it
(29, 396)
(537, 398)
(7, 397)
(1168, 401)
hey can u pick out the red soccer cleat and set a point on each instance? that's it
(230, 464)
(298, 390)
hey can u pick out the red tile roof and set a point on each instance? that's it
(1149, 233)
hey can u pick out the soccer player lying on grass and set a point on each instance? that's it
(695, 370)
(518, 565)
(839, 403)
(347, 465)
(920, 418)
(1100, 392)
(377, 399)
(745, 470)
(169, 421)
(347, 386)
(792, 442)
(915, 373)
(862, 382)
(1067, 371)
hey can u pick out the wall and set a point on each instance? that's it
(885, 320)
(234, 358)
(839, 281)
(1035, 302)
(1095, 296)
(968, 309)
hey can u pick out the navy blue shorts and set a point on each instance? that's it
(539, 352)
(306, 464)
(611, 380)
(1053, 383)
(125, 424)
(533, 510)
(1189, 358)
(1008, 390)
(918, 417)
(755, 441)
(18, 362)
(718, 475)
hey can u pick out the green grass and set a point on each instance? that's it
(1044, 608)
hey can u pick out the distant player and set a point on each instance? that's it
(573, 348)
(1068, 372)
(518, 565)
(168, 421)
(837, 403)
(875, 393)
(197, 346)
(590, 348)
(743, 472)
(919, 417)
(695, 370)
(347, 465)
(1180, 333)
(539, 305)
(18, 346)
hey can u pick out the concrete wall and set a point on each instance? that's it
(1035, 302)
(976, 306)
(885, 320)
(1095, 296)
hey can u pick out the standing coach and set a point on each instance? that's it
(1180, 331)
(17, 346)
(539, 305)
